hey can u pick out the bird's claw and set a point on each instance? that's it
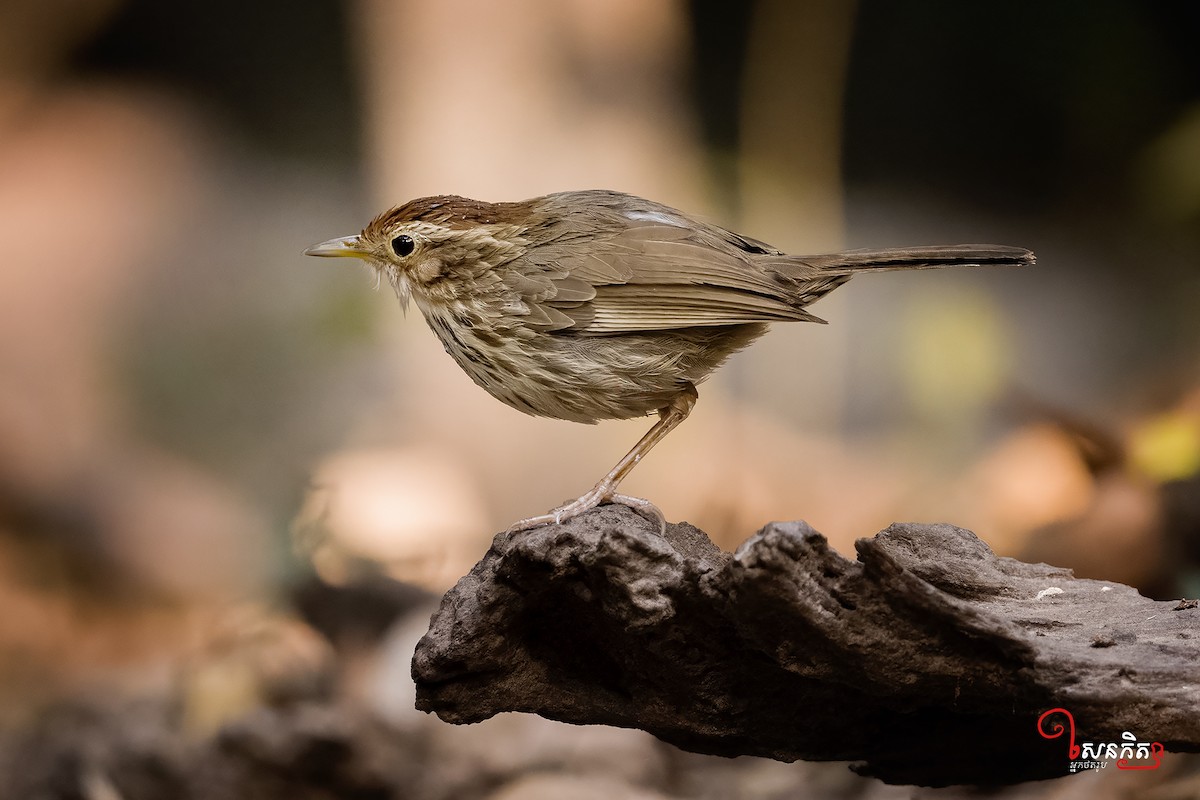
(586, 503)
(643, 507)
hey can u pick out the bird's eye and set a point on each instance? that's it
(402, 245)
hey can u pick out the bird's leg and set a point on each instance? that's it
(606, 490)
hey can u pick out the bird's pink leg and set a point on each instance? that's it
(606, 490)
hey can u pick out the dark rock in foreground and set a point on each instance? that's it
(927, 661)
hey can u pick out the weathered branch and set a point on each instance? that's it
(927, 661)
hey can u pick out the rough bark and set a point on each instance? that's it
(928, 660)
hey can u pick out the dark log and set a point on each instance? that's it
(927, 661)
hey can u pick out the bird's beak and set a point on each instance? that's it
(342, 247)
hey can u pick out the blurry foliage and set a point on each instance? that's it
(1167, 447)
(1168, 180)
(957, 355)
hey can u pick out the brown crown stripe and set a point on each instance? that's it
(449, 210)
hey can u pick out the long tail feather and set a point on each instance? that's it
(958, 255)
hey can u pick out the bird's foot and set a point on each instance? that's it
(597, 496)
(643, 507)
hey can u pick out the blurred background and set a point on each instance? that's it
(233, 479)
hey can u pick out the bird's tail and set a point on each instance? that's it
(956, 255)
(812, 277)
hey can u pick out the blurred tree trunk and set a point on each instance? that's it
(504, 101)
(792, 188)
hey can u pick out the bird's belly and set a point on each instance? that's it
(538, 375)
(588, 378)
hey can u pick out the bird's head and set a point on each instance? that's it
(431, 248)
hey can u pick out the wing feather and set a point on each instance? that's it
(620, 309)
(659, 271)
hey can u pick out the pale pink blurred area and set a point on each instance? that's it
(415, 510)
(95, 182)
(99, 182)
(113, 544)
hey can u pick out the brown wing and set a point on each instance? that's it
(659, 271)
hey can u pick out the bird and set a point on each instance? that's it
(595, 304)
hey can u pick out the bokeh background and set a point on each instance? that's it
(232, 478)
